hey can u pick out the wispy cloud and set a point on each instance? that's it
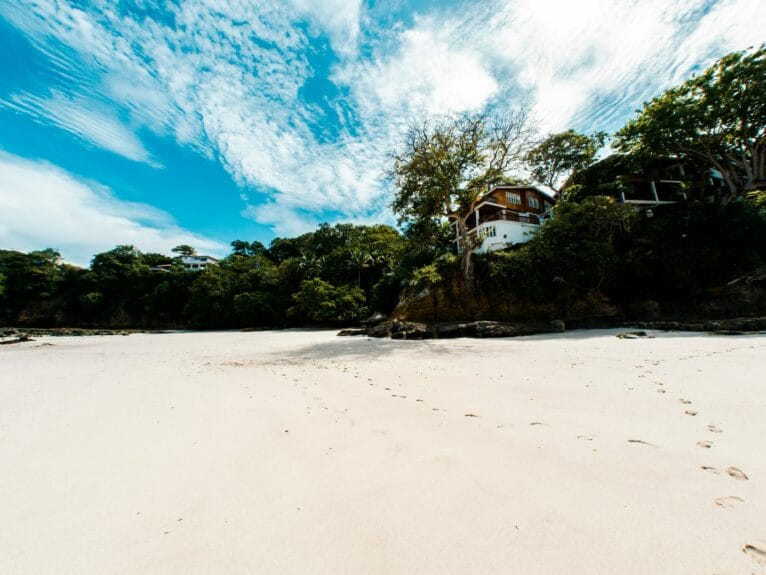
(39, 201)
(87, 119)
(228, 79)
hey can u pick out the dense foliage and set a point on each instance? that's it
(334, 274)
(718, 117)
(558, 156)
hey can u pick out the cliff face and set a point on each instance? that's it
(449, 303)
(740, 299)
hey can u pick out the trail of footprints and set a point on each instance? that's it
(756, 552)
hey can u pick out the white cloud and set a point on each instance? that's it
(225, 78)
(429, 73)
(339, 19)
(89, 120)
(40, 204)
(590, 63)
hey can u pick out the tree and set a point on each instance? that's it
(446, 164)
(323, 302)
(242, 248)
(559, 155)
(574, 252)
(184, 250)
(718, 117)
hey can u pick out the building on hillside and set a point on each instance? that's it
(506, 216)
(641, 191)
(645, 184)
(197, 263)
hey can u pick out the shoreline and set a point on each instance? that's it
(403, 329)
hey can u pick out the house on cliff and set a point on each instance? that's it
(506, 216)
(646, 183)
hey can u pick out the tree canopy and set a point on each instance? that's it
(559, 155)
(718, 117)
(446, 164)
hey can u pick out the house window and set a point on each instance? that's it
(488, 232)
(533, 203)
(513, 198)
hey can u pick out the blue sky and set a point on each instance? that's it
(156, 123)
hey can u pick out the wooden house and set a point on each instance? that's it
(506, 216)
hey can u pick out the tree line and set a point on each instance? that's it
(711, 130)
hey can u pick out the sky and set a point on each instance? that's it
(157, 123)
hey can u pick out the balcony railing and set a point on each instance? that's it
(508, 216)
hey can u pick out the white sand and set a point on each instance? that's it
(302, 452)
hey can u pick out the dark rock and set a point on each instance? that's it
(380, 330)
(646, 310)
(20, 339)
(632, 335)
(751, 324)
(374, 319)
(449, 330)
(352, 331)
(558, 325)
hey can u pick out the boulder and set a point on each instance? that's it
(352, 332)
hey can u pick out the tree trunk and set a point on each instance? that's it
(466, 255)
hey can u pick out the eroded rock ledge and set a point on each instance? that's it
(444, 330)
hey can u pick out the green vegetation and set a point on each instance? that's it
(335, 274)
(717, 118)
(704, 141)
(445, 165)
(558, 156)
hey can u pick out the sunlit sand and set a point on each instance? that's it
(303, 452)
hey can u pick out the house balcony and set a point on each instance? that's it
(510, 216)
(501, 229)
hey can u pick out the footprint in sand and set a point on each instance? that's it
(710, 468)
(714, 429)
(705, 444)
(755, 553)
(731, 501)
(642, 442)
(737, 473)
(690, 412)
(685, 401)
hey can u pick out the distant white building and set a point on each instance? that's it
(197, 263)
(506, 216)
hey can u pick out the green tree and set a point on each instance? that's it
(446, 164)
(574, 252)
(242, 248)
(718, 117)
(320, 301)
(559, 155)
(116, 263)
(184, 250)
(210, 298)
(29, 277)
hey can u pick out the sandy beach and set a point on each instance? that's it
(302, 452)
